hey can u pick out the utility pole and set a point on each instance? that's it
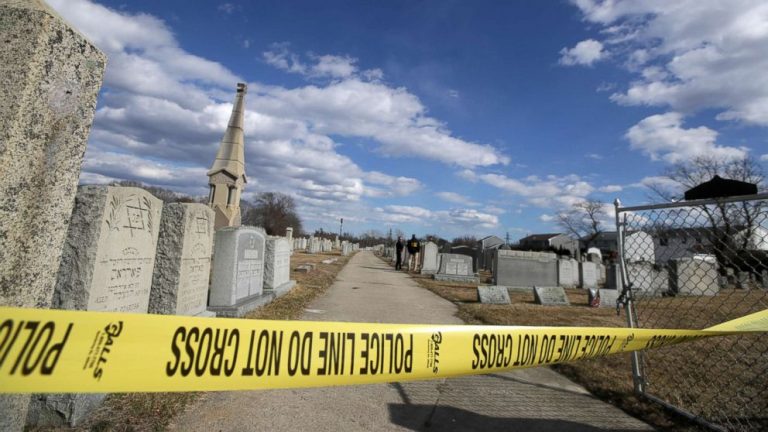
(507, 238)
(341, 226)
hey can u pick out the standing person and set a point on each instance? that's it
(399, 251)
(413, 248)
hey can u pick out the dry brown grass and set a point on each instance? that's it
(154, 411)
(608, 378)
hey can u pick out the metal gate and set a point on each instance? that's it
(692, 265)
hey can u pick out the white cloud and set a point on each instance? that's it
(456, 198)
(550, 191)
(227, 8)
(611, 189)
(323, 66)
(167, 109)
(585, 53)
(492, 209)
(456, 218)
(690, 55)
(662, 136)
(764, 157)
(595, 156)
(546, 218)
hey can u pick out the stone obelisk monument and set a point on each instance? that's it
(227, 175)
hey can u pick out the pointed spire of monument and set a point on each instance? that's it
(227, 175)
(231, 154)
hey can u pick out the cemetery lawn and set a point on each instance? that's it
(608, 378)
(155, 411)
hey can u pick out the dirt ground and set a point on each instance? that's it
(153, 411)
(610, 378)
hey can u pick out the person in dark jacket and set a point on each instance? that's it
(399, 251)
(414, 247)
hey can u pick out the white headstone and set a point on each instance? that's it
(429, 264)
(238, 265)
(277, 266)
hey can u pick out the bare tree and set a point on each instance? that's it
(274, 212)
(465, 240)
(583, 221)
(731, 227)
(726, 220)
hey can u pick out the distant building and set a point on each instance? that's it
(545, 242)
(485, 250)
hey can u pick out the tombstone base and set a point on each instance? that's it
(205, 314)
(282, 289)
(62, 409)
(428, 272)
(454, 278)
(239, 309)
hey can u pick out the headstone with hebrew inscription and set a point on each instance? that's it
(238, 271)
(456, 268)
(106, 266)
(183, 262)
(109, 255)
(552, 296)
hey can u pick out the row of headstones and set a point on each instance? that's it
(126, 251)
(348, 248)
(320, 245)
(548, 296)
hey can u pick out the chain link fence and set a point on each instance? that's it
(693, 265)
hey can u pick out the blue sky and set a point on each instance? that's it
(448, 117)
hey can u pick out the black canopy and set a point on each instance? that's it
(719, 187)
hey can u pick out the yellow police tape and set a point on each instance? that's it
(54, 351)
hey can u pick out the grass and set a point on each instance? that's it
(128, 412)
(608, 378)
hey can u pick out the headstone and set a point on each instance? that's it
(238, 271)
(106, 265)
(551, 296)
(277, 266)
(109, 255)
(594, 255)
(303, 268)
(289, 236)
(694, 276)
(565, 273)
(51, 76)
(604, 298)
(519, 268)
(601, 273)
(456, 268)
(493, 294)
(183, 264)
(588, 275)
(429, 264)
(613, 277)
(315, 245)
(608, 297)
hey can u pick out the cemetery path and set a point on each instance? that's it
(368, 290)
